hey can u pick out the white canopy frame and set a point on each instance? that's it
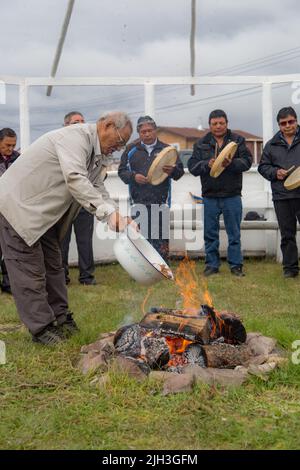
(149, 83)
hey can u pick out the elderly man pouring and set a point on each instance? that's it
(39, 197)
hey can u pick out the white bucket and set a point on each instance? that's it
(140, 259)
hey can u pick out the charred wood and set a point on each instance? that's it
(155, 351)
(194, 328)
(226, 324)
(222, 355)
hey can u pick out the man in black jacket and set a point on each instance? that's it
(8, 155)
(150, 203)
(279, 154)
(221, 195)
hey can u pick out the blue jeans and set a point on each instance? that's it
(231, 208)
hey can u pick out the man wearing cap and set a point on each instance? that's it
(279, 155)
(149, 202)
(40, 194)
(83, 228)
(221, 195)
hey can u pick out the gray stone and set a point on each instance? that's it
(262, 369)
(228, 377)
(128, 366)
(260, 344)
(92, 362)
(201, 374)
(178, 383)
(257, 360)
(279, 359)
(161, 375)
(105, 344)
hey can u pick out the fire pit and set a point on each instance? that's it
(168, 339)
(195, 343)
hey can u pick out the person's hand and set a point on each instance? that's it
(141, 179)
(168, 169)
(281, 174)
(211, 162)
(132, 223)
(226, 162)
(117, 222)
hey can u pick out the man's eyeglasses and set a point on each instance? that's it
(290, 122)
(121, 142)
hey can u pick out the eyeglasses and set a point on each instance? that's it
(121, 143)
(290, 122)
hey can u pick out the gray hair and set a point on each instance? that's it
(119, 118)
(68, 117)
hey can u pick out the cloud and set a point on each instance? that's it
(133, 38)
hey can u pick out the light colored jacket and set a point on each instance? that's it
(56, 175)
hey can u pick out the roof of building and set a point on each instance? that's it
(194, 133)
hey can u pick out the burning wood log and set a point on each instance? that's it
(195, 328)
(127, 340)
(222, 355)
(226, 324)
(155, 351)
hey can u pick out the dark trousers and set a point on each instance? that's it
(5, 284)
(231, 208)
(288, 212)
(36, 276)
(83, 228)
(154, 223)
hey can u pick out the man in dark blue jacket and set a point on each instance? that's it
(8, 155)
(279, 154)
(221, 195)
(133, 170)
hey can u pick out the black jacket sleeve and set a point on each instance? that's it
(197, 165)
(266, 167)
(178, 170)
(243, 160)
(124, 171)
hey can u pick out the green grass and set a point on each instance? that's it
(45, 403)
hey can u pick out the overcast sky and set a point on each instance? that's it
(139, 38)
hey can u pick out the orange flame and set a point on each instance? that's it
(186, 280)
(177, 345)
(191, 286)
(207, 298)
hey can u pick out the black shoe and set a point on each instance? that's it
(288, 274)
(209, 271)
(88, 282)
(67, 325)
(68, 280)
(6, 290)
(50, 336)
(237, 271)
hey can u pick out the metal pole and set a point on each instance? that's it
(61, 42)
(149, 99)
(24, 116)
(192, 41)
(267, 111)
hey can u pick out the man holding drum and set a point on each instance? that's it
(150, 199)
(281, 155)
(220, 158)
